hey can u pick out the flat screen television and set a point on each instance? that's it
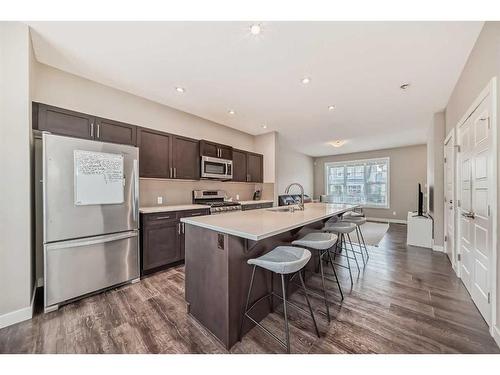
(420, 211)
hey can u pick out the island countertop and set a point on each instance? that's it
(259, 224)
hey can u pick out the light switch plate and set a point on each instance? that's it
(159, 200)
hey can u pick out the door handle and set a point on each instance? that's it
(469, 215)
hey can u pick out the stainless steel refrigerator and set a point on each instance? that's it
(88, 197)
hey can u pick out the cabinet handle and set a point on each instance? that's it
(179, 228)
(162, 217)
(183, 228)
(175, 172)
(91, 130)
(98, 131)
(170, 172)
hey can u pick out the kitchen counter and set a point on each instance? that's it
(259, 224)
(246, 203)
(178, 207)
(217, 250)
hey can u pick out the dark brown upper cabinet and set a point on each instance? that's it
(239, 165)
(63, 122)
(115, 132)
(215, 150)
(80, 125)
(154, 153)
(185, 158)
(255, 167)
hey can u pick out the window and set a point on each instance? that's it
(364, 182)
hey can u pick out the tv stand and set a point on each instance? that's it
(419, 230)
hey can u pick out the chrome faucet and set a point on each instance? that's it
(287, 191)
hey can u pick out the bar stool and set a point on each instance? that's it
(321, 242)
(351, 217)
(343, 229)
(282, 260)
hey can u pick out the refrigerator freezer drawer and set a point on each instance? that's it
(77, 267)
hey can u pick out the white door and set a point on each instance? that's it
(475, 174)
(449, 198)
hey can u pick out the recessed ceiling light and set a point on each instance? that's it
(231, 112)
(306, 80)
(264, 126)
(404, 86)
(255, 29)
(331, 107)
(338, 143)
(180, 89)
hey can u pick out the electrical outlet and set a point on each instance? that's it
(393, 213)
(237, 197)
(159, 200)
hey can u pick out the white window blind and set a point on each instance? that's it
(364, 182)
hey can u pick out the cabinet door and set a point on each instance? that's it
(115, 132)
(239, 165)
(161, 244)
(185, 158)
(225, 152)
(154, 153)
(209, 149)
(63, 122)
(255, 167)
(182, 237)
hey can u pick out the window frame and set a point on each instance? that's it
(348, 163)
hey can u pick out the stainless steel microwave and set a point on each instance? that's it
(217, 169)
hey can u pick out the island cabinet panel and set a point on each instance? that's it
(215, 150)
(63, 121)
(154, 153)
(255, 167)
(239, 165)
(185, 158)
(115, 132)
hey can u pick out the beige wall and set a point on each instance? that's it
(16, 230)
(293, 166)
(482, 65)
(407, 168)
(435, 175)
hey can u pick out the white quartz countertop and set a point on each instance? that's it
(178, 207)
(246, 203)
(259, 224)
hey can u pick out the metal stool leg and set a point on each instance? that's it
(287, 333)
(309, 303)
(324, 288)
(353, 253)
(248, 302)
(360, 246)
(336, 277)
(348, 262)
(364, 244)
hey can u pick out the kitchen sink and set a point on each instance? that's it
(283, 209)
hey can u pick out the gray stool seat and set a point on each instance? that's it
(353, 219)
(317, 240)
(340, 227)
(354, 214)
(283, 259)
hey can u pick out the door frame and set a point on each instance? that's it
(490, 89)
(451, 137)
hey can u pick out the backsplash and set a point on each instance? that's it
(180, 191)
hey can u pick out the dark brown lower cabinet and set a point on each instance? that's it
(162, 239)
(256, 206)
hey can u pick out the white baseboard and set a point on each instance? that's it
(496, 335)
(382, 220)
(20, 315)
(438, 248)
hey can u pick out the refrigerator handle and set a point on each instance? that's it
(135, 195)
(91, 241)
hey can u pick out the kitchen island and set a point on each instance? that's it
(217, 248)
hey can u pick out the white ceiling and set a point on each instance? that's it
(357, 66)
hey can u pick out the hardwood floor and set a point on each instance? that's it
(407, 300)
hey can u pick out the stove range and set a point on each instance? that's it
(215, 199)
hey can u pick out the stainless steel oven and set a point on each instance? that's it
(217, 169)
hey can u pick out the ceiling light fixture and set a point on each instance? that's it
(331, 107)
(306, 80)
(180, 89)
(231, 112)
(338, 143)
(404, 86)
(255, 29)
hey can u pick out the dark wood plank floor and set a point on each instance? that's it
(407, 300)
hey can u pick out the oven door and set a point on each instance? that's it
(214, 168)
